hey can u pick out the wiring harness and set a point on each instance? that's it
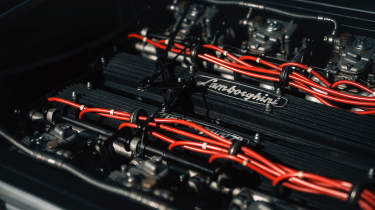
(216, 147)
(287, 74)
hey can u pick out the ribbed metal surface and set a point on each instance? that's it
(125, 71)
(101, 99)
(300, 120)
(326, 138)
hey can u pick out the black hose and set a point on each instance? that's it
(231, 3)
(277, 11)
(138, 197)
(177, 27)
(183, 161)
(306, 17)
(86, 125)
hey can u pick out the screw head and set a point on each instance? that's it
(268, 108)
(17, 111)
(272, 25)
(102, 60)
(278, 92)
(74, 95)
(89, 85)
(362, 44)
(371, 173)
(257, 137)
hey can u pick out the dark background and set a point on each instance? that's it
(43, 44)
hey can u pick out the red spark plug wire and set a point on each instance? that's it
(366, 112)
(114, 117)
(180, 132)
(250, 74)
(297, 80)
(169, 140)
(163, 47)
(107, 111)
(179, 46)
(197, 144)
(60, 100)
(332, 98)
(226, 53)
(260, 158)
(347, 82)
(235, 65)
(261, 61)
(316, 74)
(328, 90)
(309, 183)
(261, 169)
(196, 127)
(300, 79)
(303, 79)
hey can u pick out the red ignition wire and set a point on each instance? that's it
(368, 195)
(258, 170)
(226, 54)
(107, 111)
(260, 158)
(175, 44)
(355, 84)
(199, 150)
(128, 125)
(196, 127)
(304, 175)
(162, 137)
(114, 117)
(316, 74)
(168, 140)
(365, 205)
(261, 61)
(317, 97)
(250, 74)
(366, 112)
(204, 146)
(307, 80)
(332, 98)
(345, 184)
(60, 100)
(270, 174)
(191, 148)
(188, 134)
(163, 47)
(303, 79)
(235, 65)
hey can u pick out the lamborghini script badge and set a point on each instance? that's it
(240, 91)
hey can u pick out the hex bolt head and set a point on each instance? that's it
(268, 108)
(89, 85)
(74, 95)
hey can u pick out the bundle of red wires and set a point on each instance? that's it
(322, 90)
(217, 148)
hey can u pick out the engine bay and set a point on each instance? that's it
(214, 104)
